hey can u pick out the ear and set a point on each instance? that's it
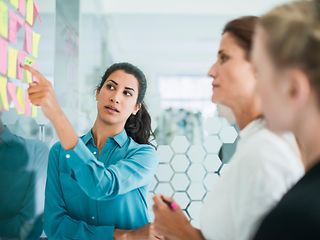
(299, 88)
(97, 93)
(137, 108)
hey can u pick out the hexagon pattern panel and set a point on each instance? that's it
(188, 172)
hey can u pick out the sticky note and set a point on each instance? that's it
(12, 90)
(20, 100)
(28, 39)
(22, 7)
(35, 43)
(3, 19)
(12, 62)
(36, 12)
(27, 106)
(33, 111)
(20, 62)
(3, 56)
(29, 11)
(27, 75)
(15, 3)
(15, 23)
(4, 104)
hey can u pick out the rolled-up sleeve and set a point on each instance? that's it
(100, 182)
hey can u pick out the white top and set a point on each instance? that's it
(263, 168)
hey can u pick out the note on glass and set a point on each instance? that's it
(4, 104)
(3, 19)
(28, 39)
(34, 111)
(22, 7)
(15, 3)
(29, 12)
(3, 56)
(12, 62)
(12, 90)
(20, 100)
(20, 62)
(15, 23)
(35, 43)
(27, 75)
(27, 104)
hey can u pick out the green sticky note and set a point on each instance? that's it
(3, 19)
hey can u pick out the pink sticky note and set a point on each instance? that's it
(22, 7)
(15, 23)
(3, 56)
(20, 62)
(28, 39)
(27, 104)
(36, 12)
(13, 95)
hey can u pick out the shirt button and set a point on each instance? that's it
(94, 152)
(67, 155)
(92, 217)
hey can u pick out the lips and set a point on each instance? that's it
(112, 109)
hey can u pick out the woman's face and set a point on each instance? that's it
(117, 99)
(272, 85)
(233, 77)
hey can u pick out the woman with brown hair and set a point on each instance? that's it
(264, 166)
(286, 56)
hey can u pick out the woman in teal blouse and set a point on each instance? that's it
(97, 185)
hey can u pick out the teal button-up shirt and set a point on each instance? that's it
(88, 196)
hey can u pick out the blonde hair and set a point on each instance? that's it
(293, 37)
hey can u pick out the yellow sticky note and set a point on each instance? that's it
(3, 94)
(12, 62)
(27, 75)
(3, 19)
(34, 111)
(35, 43)
(15, 3)
(29, 18)
(20, 99)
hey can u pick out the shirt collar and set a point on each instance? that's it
(120, 138)
(252, 127)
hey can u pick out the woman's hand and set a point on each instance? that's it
(147, 232)
(172, 223)
(41, 94)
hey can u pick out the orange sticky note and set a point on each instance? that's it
(3, 19)
(15, 3)
(12, 62)
(3, 56)
(15, 23)
(22, 7)
(35, 43)
(27, 106)
(4, 104)
(28, 39)
(20, 100)
(29, 12)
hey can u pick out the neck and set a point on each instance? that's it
(102, 131)
(308, 133)
(246, 114)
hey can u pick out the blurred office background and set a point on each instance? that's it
(174, 42)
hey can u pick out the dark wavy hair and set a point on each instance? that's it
(138, 126)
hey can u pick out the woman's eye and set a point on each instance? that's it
(109, 86)
(127, 93)
(223, 58)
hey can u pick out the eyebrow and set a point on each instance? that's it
(128, 88)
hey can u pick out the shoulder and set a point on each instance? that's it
(135, 148)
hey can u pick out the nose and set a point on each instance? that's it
(115, 99)
(213, 71)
